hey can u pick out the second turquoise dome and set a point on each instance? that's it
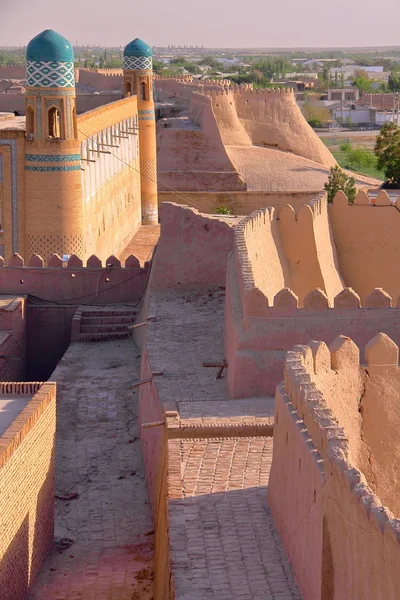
(138, 48)
(49, 46)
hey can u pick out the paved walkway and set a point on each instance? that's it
(104, 540)
(224, 544)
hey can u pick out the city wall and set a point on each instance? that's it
(192, 250)
(284, 286)
(101, 79)
(27, 471)
(84, 101)
(238, 203)
(366, 237)
(110, 176)
(342, 542)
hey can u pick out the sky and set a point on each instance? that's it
(210, 23)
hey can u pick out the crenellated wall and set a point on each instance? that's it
(101, 79)
(366, 237)
(330, 513)
(260, 134)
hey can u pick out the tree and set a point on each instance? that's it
(361, 81)
(315, 115)
(394, 80)
(387, 150)
(339, 181)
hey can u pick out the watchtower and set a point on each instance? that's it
(138, 80)
(53, 193)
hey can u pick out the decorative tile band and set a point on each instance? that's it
(36, 91)
(53, 169)
(14, 191)
(146, 112)
(52, 158)
(136, 63)
(146, 118)
(50, 74)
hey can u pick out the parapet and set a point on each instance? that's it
(308, 364)
(73, 262)
(363, 198)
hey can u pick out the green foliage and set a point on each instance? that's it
(339, 181)
(387, 151)
(316, 116)
(12, 58)
(362, 82)
(394, 80)
(223, 210)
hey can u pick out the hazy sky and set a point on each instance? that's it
(226, 23)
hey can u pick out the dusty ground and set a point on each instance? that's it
(104, 540)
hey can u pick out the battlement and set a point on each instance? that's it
(71, 281)
(105, 72)
(327, 464)
(364, 199)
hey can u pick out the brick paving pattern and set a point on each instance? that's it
(98, 456)
(224, 544)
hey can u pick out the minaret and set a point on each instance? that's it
(138, 81)
(53, 193)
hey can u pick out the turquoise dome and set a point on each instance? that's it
(138, 48)
(49, 46)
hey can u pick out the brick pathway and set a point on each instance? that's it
(98, 456)
(224, 545)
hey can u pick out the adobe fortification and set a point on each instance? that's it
(259, 138)
(333, 489)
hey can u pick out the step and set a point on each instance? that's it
(108, 313)
(120, 320)
(116, 328)
(104, 337)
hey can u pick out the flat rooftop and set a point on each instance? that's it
(11, 122)
(11, 405)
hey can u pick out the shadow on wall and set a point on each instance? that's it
(18, 568)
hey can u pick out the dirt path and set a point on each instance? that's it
(104, 540)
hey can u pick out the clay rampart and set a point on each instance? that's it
(366, 237)
(238, 203)
(192, 250)
(27, 467)
(12, 72)
(324, 505)
(101, 79)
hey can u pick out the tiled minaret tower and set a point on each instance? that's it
(53, 208)
(138, 80)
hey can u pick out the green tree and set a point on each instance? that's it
(394, 80)
(362, 82)
(339, 181)
(387, 151)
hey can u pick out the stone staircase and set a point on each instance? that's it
(102, 324)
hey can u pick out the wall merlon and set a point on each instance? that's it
(382, 351)
(378, 299)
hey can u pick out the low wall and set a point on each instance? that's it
(27, 469)
(341, 541)
(12, 72)
(239, 203)
(192, 250)
(87, 102)
(74, 284)
(12, 102)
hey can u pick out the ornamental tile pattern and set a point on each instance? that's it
(14, 191)
(53, 169)
(52, 158)
(50, 74)
(134, 63)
